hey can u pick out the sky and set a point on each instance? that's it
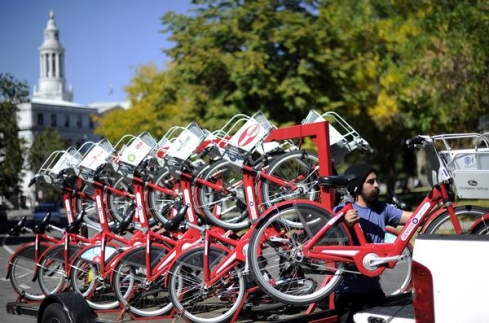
(105, 41)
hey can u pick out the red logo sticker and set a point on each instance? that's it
(249, 135)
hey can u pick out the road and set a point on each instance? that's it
(9, 244)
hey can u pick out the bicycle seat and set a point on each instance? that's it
(15, 231)
(40, 228)
(336, 181)
(74, 226)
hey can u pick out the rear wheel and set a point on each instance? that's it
(298, 167)
(87, 280)
(277, 262)
(21, 273)
(191, 293)
(52, 275)
(134, 290)
(226, 207)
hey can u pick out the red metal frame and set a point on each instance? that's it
(319, 133)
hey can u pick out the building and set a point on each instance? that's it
(52, 105)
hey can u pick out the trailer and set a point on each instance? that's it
(73, 308)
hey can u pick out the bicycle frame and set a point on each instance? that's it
(372, 259)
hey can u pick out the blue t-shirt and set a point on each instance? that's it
(373, 221)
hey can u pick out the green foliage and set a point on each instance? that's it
(12, 93)
(391, 68)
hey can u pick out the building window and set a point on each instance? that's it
(67, 121)
(54, 122)
(79, 121)
(91, 123)
(40, 119)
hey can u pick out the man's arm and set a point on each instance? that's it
(405, 217)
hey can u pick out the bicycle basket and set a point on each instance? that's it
(342, 141)
(247, 139)
(183, 146)
(466, 157)
(136, 150)
(70, 159)
(59, 161)
(96, 155)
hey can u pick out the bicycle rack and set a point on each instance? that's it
(319, 133)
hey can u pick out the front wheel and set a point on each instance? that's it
(466, 215)
(276, 258)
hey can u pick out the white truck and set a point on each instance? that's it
(449, 283)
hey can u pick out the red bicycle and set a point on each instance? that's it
(284, 259)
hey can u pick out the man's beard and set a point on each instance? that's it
(373, 196)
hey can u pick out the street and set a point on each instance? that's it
(7, 247)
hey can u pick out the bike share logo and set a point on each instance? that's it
(412, 225)
(249, 135)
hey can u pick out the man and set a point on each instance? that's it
(358, 292)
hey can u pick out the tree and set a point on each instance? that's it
(12, 93)
(38, 154)
(154, 107)
(392, 69)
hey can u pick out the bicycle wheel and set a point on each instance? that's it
(52, 275)
(118, 204)
(197, 299)
(159, 200)
(89, 205)
(466, 215)
(397, 280)
(21, 272)
(298, 167)
(132, 288)
(277, 262)
(87, 280)
(225, 208)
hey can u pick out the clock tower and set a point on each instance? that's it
(52, 84)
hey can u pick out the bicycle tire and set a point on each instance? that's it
(159, 203)
(55, 313)
(120, 205)
(52, 275)
(191, 294)
(87, 281)
(143, 298)
(300, 167)
(21, 272)
(277, 264)
(89, 205)
(226, 209)
(397, 280)
(467, 215)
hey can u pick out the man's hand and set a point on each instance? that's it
(351, 217)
